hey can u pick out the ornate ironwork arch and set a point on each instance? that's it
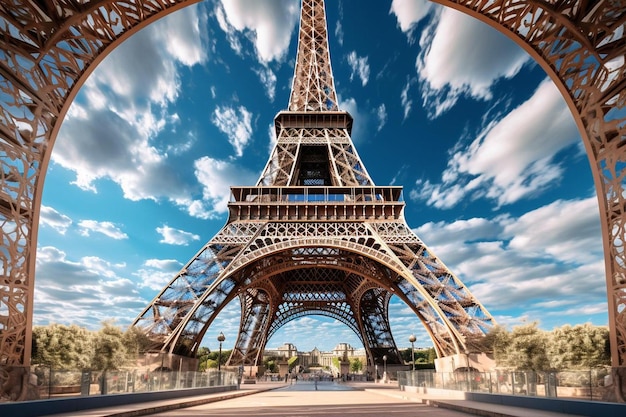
(582, 46)
(363, 271)
(49, 47)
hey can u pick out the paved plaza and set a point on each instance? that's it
(310, 399)
(314, 399)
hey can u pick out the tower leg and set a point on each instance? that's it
(255, 320)
(169, 362)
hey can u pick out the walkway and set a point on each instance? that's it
(311, 400)
(465, 406)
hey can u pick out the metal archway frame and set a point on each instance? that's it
(580, 45)
(49, 47)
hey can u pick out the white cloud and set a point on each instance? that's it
(359, 130)
(66, 289)
(182, 147)
(172, 236)
(405, 100)
(565, 230)
(132, 90)
(268, 79)
(441, 196)
(359, 67)
(271, 134)
(165, 264)
(339, 32)
(463, 56)
(105, 228)
(58, 221)
(146, 66)
(157, 273)
(381, 114)
(339, 26)
(216, 178)
(507, 167)
(521, 164)
(236, 123)
(268, 23)
(534, 262)
(182, 35)
(101, 266)
(229, 30)
(410, 12)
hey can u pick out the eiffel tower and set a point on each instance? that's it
(314, 236)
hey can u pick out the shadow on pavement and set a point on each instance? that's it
(316, 386)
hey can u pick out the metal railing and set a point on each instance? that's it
(593, 384)
(45, 382)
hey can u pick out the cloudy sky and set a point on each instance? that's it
(495, 177)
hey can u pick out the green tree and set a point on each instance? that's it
(271, 364)
(63, 347)
(523, 349)
(211, 364)
(137, 343)
(225, 356)
(110, 351)
(568, 347)
(529, 346)
(356, 365)
(427, 355)
(432, 355)
(405, 354)
(203, 357)
(211, 358)
(497, 342)
(579, 347)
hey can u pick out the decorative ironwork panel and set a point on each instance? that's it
(582, 45)
(47, 49)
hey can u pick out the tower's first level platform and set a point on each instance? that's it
(316, 203)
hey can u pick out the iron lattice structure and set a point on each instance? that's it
(49, 47)
(314, 236)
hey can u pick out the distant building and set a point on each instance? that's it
(316, 357)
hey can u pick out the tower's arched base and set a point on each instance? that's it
(480, 362)
(162, 361)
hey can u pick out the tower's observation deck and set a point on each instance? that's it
(309, 120)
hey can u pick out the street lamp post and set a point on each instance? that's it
(220, 338)
(385, 368)
(412, 340)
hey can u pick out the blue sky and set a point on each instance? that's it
(495, 176)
